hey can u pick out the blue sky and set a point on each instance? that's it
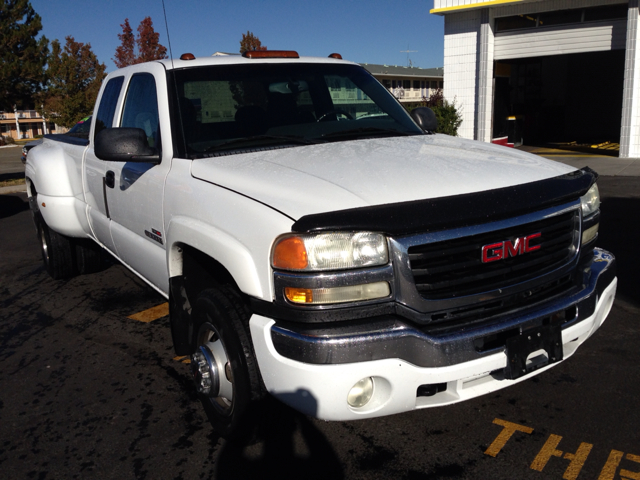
(362, 31)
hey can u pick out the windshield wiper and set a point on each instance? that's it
(365, 131)
(274, 140)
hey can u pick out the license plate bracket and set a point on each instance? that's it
(521, 346)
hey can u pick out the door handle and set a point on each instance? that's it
(109, 180)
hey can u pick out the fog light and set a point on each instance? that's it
(590, 233)
(323, 296)
(361, 393)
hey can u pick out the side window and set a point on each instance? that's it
(108, 103)
(141, 107)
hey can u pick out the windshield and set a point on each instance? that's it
(239, 107)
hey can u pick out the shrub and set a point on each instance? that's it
(447, 113)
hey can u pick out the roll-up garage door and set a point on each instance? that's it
(561, 40)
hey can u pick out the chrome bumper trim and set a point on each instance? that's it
(391, 336)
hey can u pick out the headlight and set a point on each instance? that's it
(330, 251)
(590, 201)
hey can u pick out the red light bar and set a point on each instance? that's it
(336, 55)
(270, 54)
(187, 56)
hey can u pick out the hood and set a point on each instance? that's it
(322, 178)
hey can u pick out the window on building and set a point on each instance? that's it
(561, 17)
(608, 12)
(406, 84)
(416, 84)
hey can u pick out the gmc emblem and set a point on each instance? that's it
(509, 248)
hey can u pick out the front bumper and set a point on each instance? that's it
(314, 371)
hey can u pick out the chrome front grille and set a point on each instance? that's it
(454, 268)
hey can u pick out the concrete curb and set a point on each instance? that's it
(13, 189)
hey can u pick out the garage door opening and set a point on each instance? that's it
(559, 99)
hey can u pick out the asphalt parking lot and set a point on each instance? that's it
(90, 387)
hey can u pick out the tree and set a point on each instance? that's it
(125, 53)
(22, 56)
(74, 76)
(149, 47)
(147, 43)
(250, 42)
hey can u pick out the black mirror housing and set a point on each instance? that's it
(425, 118)
(124, 145)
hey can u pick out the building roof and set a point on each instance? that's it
(397, 71)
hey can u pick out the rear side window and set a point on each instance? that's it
(141, 106)
(108, 104)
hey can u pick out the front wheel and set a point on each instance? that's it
(224, 367)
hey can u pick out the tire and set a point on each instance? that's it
(57, 251)
(224, 357)
(89, 256)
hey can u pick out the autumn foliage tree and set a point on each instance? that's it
(143, 48)
(250, 42)
(22, 57)
(74, 76)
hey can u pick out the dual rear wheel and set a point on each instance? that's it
(65, 257)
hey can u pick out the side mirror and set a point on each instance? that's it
(425, 118)
(124, 145)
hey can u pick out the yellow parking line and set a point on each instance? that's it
(183, 359)
(151, 314)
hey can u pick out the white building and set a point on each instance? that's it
(558, 70)
(408, 84)
(26, 124)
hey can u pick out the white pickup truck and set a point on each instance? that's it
(317, 242)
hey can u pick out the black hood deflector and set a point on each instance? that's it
(454, 211)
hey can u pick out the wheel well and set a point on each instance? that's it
(31, 187)
(198, 272)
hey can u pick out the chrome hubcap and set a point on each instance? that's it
(45, 247)
(205, 372)
(212, 373)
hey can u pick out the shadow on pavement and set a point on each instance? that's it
(11, 205)
(11, 176)
(287, 446)
(620, 234)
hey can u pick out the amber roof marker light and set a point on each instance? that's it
(187, 56)
(335, 55)
(270, 54)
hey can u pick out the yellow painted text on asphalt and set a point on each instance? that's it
(610, 470)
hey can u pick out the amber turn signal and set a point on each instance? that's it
(270, 54)
(290, 254)
(299, 295)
